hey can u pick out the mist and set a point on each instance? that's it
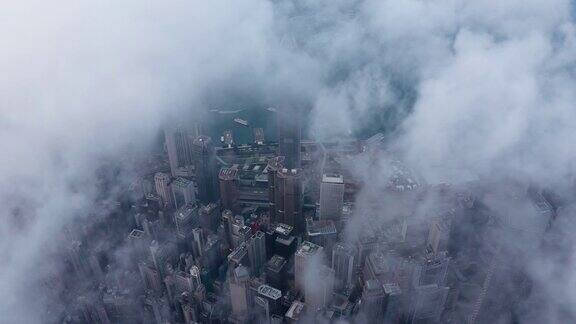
(464, 90)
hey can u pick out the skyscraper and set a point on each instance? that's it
(285, 190)
(162, 184)
(428, 304)
(205, 163)
(257, 252)
(373, 299)
(179, 147)
(343, 265)
(239, 293)
(186, 219)
(331, 196)
(302, 259)
(319, 287)
(289, 136)
(183, 192)
(229, 188)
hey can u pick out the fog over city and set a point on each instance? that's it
(471, 98)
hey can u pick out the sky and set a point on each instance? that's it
(484, 87)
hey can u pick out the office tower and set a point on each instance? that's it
(206, 173)
(177, 283)
(392, 303)
(180, 155)
(274, 165)
(295, 312)
(121, 307)
(373, 299)
(77, 258)
(199, 240)
(258, 136)
(321, 232)
(434, 270)
(343, 265)
(239, 293)
(285, 189)
(209, 216)
(289, 136)
(160, 255)
(239, 256)
(185, 219)
(229, 188)
(306, 252)
(138, 245)
(319, 286)
(91, 312)
(331, 196)
(257, 252)
(162, 184)
(211, 256)
(262, 309)
(190, 311)
(438, 235)
(276, 269)
(276, 319)
(150, 277)
(183, 192)
(183, 283)
(428, 304)
(227, 138)
(239, 232)
(227, 221)
(268, 301)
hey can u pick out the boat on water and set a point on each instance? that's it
(226, 112)
(241, 121)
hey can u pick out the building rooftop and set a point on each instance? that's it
(333, 178)
(136, 234)
(283, 229)
(276, 263)
(308, 248)
(269, 292)
(320, 227)
(181, 182)
(228, 173)
(392, 289)
(295, 310)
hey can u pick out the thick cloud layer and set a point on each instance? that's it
(488, 88)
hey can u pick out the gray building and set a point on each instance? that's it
(285, 190)
(289, 136)
(343, 265)
(257, 252)
(331, 196)
(179, 147)
(183, 192)
(303, 257)
(162, 185)
(206, 169)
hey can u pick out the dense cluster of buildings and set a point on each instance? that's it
(256, 233)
